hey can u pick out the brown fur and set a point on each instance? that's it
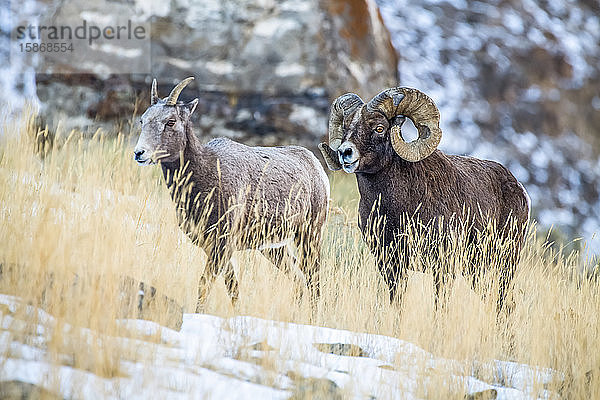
(461, 192)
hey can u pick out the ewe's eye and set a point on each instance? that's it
(171, 122)
(379, 129)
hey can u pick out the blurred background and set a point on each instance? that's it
(516, 81)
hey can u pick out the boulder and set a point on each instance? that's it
(134, 299)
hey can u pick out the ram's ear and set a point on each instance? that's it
(191, 106)
(330, 156)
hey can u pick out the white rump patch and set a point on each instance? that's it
(528, 200)
(293, 255)
(322, 175)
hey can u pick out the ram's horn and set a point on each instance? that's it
(172, 100)
(153, 93)
(342, 106)
(417, 106)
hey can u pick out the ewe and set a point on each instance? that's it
(230, 196)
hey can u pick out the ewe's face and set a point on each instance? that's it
(366, 145)
(163, 132)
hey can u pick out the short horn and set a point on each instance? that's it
(174, 95)
(341, 107)
(153, 93)
(417, 106)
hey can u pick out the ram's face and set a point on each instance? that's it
(365, 143)
(163, 133)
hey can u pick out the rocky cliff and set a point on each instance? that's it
(517, 82)
(265, 71)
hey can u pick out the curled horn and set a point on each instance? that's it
(417, 106)
(174, 95)
(341, 107)
(153, 93)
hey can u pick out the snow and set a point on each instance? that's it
(272, 26)
(290, 69)
(219, 67)
(221, 358)
(17, 75)
(306, 117)
(147, 8)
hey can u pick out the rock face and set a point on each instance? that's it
(265, 71)
(517, 82)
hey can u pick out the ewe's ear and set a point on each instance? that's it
(191, 106)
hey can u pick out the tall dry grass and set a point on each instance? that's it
(74, 207)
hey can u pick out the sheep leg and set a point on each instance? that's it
(284, 258)
(396, 280)
(505, 278)
(312, 266)
(515, 236)
(479, 268)
(232, 284)
(505, 284)
(217, 262)
(204, 286)
(309, 262)
(274, 255)
(390, 263)
(503, 265)
(439, 262)
(443, 283)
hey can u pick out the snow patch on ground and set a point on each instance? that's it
(246, 357)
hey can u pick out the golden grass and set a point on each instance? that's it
(82, 207)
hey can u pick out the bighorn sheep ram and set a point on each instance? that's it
(231, 196)
(399, 180)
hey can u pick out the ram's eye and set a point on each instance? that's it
(379, 129)
(171, 122)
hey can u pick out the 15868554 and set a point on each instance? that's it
(46, 47)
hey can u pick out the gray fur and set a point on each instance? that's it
(237, 197)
